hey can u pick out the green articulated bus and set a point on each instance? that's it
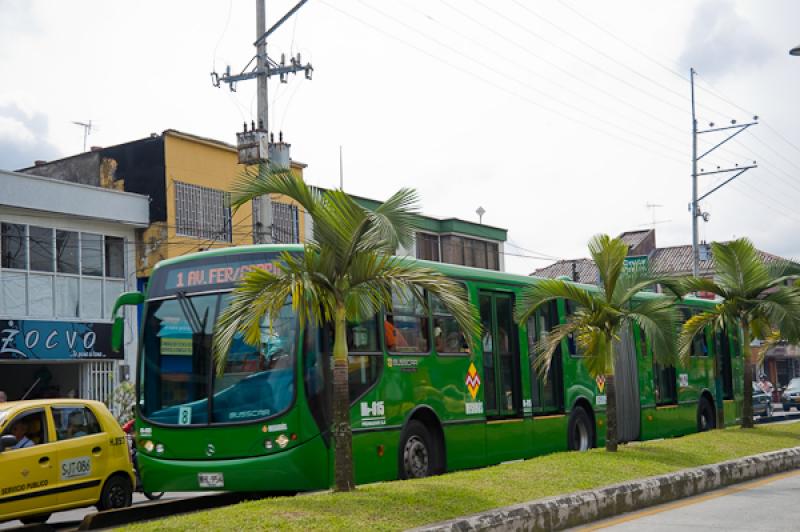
(421, 403)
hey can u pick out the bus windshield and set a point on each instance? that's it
(179, 384)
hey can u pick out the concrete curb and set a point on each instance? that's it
(564, 511)
(156, 510)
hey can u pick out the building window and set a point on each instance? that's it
(470, 252)
(428, 247)
(202, 212)
(285, 223)
(13, 246)
(47, 272)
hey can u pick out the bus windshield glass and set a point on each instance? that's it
(179, 384)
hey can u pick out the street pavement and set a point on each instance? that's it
(74, 517)
(766, 504)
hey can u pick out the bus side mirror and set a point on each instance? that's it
(118, 328)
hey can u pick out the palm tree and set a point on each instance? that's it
(601, 317)
(758, 298)
(345, 273)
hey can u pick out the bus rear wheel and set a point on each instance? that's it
(580, 431)
(417, 451)
(705, 416)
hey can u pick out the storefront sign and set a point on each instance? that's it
(55, 340)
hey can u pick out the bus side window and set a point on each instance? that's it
(447, 335)
(572, 344)
(364, 360)
(699, 343)
(405, 328)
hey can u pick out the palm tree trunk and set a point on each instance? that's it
(611, 414)
(747, 404)
(342, 432)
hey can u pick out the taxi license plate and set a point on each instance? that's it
(211, 480)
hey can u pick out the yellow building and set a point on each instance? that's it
(187, 178)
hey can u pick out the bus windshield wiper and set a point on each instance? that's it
(192, 317)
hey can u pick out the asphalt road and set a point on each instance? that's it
(766, 504)
(74, 517)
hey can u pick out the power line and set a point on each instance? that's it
(517, 94)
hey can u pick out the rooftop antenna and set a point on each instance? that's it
(87, 129)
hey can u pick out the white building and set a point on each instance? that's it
(66, 252)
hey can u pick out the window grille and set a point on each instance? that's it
(202, 212)
(285, 223)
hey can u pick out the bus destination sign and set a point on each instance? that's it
(214, 273)
(210, 276)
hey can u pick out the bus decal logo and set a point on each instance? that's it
(375, 409)
(601, 383)
(473, 382)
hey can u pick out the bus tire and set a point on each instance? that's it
(705, 415)
(417, 451)
(580, 431)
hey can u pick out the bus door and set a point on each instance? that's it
(506, 434)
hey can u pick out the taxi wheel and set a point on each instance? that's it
(117, 493)
(35, 519)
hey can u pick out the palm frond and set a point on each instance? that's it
(546, 290)
(393, 274)
(268, 179)
(392, 223)
(262, 293)
(546, 348)
(694, 326)
(658, 318)
(739, 268)
(687, 285)
(609, 257)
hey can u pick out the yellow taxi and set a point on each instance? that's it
(58, 454)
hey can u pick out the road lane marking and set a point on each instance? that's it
(690, 501)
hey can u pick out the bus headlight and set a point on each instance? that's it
(159, 448)
(149, 446)
(282, 440)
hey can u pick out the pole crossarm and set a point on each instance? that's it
(740, 129)
(740, 172)
(281, 21)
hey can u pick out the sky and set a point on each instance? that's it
(560, 119)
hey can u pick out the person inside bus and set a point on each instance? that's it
(394, 338)
(19, 429)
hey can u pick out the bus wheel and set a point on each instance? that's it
(705, 416)
(417, 451)
(580, 432)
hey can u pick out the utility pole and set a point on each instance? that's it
(694, 206)
(256, 146)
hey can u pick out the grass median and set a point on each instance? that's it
(401, 505)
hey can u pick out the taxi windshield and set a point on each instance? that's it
(179, 384)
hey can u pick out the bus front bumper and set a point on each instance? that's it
(301, 468)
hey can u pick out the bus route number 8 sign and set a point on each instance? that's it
(185, 415)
